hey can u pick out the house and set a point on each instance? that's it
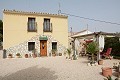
(24, 32)
(70, 40)
(79, 47)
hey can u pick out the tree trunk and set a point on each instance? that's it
(92, 58)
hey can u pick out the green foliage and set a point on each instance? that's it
(9, 54)
(18, 54)
(69, 52)
(109, 78)
(92, 48)
(54, 51)
(114, 43)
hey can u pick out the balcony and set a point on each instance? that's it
(47, 27)
(32, 27)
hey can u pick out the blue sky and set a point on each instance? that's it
(106, 10)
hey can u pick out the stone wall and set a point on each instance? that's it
(22, 48)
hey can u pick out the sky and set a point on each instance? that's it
(105, 10)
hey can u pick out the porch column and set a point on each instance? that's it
(101, 44)
(97, 40)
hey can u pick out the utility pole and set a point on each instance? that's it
(87, 28)
(71, 30)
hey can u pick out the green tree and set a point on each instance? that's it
(114, 43)
(92, 48)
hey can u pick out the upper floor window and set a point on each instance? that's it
(47, 26)
(32, 24)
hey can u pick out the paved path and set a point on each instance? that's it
(50, 68)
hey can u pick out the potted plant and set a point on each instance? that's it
(54, 52)
(100, 62)
(26, 55)
(109, 78)
(60, 54)
(9, 55)
(92, 48)
(69, 52)
(34, 53)
(18, 55)
(107, 71)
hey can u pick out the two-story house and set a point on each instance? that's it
(25, 31)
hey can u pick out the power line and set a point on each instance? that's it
(91, 19)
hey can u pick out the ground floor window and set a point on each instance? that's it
(54, 45)
(31, 46)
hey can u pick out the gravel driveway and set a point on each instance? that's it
(50, 68)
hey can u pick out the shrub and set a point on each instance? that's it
(114, 43)
(10, 54)
(18, 54)
(69, 52)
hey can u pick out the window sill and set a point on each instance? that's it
(32, 30)
(47, 31)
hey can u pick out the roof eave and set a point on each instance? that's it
(33, 13)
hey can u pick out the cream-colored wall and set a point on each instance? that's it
(15, 29)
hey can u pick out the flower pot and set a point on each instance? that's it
(54, 55)
(88, 64)
(60, 54)
(26, 55)
(100, 62)
(106, 71)
(96, 64)
(17, 56)
(9, 56)
(92, 64)
(34, 55)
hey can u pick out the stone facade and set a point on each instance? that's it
(22, 48)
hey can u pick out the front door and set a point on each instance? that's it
(43, 47)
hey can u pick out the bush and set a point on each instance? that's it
(18, 54)
(114, 43)
(9, 54)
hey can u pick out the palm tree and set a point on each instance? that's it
(92, 48)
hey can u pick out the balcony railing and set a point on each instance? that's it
(47, 27)
(32, 27)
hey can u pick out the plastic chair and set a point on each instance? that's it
(107, 54)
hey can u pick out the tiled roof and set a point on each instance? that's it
(33, 13)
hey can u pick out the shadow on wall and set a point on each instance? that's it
(32, 73)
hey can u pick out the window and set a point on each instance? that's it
(31, 24)
(31, 46)
(54, 45)
(47, 26)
